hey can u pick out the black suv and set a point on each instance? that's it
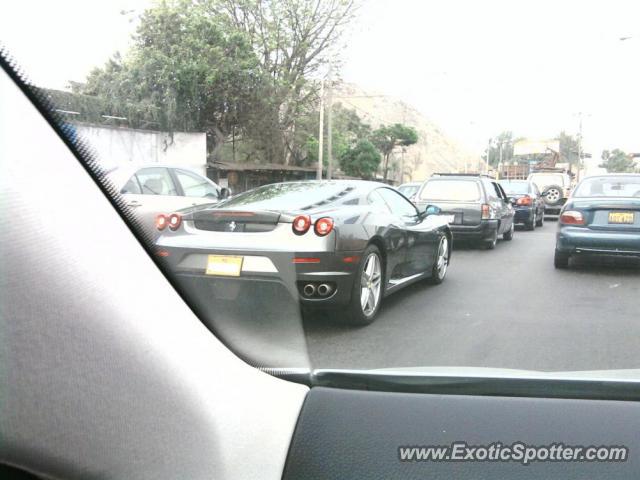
(476, 206)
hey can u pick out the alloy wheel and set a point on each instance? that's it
(370, 284)
(443, 257)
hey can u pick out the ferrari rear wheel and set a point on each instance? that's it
(368, 288)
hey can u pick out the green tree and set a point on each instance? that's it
(293, 40)
(348, 130)
(569, 149)
(227, 67)
(503, 141)
(363, 160)
(386, 138)
(617, 161)
(183, 72)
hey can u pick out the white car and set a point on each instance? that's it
(153, 189)
(555, 188)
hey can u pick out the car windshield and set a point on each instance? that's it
(515, 188)
(451, 190)
(609, 187)
(322, 181)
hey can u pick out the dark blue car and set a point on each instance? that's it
(527, 202)
(601, 218)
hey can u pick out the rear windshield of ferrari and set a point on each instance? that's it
(609, 187)
(289, 196)
(451, 190)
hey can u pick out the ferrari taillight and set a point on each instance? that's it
(162, 221)
(301, 224)
(175, 220)
(323, 226)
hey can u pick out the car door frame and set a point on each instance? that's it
(539, 200)
(420, 242)
(507, 213)
(391, 229)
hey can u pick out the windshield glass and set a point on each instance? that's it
(515, 188)
(609, 187)
(451, 190)
(258, 148)
(291, 196)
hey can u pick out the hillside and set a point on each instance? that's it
(434, 152)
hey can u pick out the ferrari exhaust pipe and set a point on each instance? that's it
(324, 290)
(309, 290)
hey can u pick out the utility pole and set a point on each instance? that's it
(579, 142)
(330, 125)
(500, 160)
(488, 155)
(321, 133)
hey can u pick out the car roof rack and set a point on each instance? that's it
(439, 174)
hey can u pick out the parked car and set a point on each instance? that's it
(350, 243)
(527, 201)
(409, 190)
(153, 189)
(602, 218)
(555, 186)
(475, 206)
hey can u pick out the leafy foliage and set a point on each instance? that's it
(617, 161)
(569, 148)
(387, 138)
(226, 67)
(502, 141)
(293, 40)
(363, 160)
(348, 130)
(183, 72)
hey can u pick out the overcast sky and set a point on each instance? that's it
(474, 67)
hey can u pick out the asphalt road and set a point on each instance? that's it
(506, 308)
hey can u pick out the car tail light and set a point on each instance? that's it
(572, 217)
(301, 224)
(175, 220)
(162, 221)
(486, 212)
(323, 226)
(525, 201)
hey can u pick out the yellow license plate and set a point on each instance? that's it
(622, 217)
(223, 265)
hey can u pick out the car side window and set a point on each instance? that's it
(132, 186)
(156, 181)
(194, 185)
(490, 189)
(377, 202)
(397, 203)
(501, 193)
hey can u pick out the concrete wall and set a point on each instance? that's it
(118, 146)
